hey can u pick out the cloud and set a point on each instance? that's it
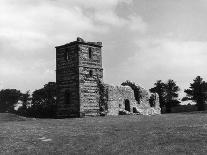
(32, 24)
(31, 29)
(40, 24)
(17, 74)
(137, 24)
(143, 41)
(54, 22)
(164, 59)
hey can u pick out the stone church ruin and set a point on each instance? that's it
(80, 87)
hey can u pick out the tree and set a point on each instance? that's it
(197, 92)
(171, 94)
(168, 93)
(44, 101)
(25, 99)
(185, 98)
(135, 88)
(152, 100)
(159, 88)
(8, 99)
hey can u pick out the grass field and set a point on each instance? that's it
(164, 134)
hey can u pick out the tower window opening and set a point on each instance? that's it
(67, 97)
(90, 53)
(90, 73)
(66, 55)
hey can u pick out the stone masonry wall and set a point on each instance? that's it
(78, 66)
(145, 96)
(78, 69)
(144, 106)
(117, 95)
(67, 79)
(90, 68)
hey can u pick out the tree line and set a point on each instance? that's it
(42, 102)
(168, 93)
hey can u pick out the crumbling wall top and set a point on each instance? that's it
(120, 92)
(81, 41)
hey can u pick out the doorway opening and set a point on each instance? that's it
(127, 105)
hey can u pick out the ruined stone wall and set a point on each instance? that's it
(117, 95)
(144, 107)
(145, 96)
(90, 69)
(67, 79)
(78, 69)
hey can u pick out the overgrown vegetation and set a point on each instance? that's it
(152, 100)
(103, 97)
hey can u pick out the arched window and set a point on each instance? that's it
(90, 53)
(67, 97)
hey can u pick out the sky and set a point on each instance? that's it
(143, 40)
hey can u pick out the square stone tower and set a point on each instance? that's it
(78, 65)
